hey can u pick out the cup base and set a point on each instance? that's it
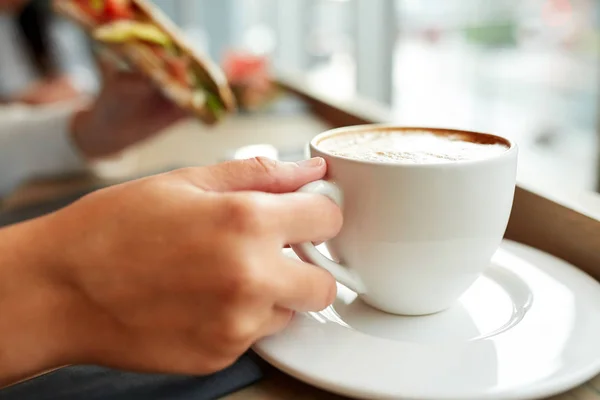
(406, 311)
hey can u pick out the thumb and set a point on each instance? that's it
(109, 64)
(259, 174)
(106, 63)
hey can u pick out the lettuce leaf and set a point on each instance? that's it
(124, 31)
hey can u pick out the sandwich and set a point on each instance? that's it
(141, 35)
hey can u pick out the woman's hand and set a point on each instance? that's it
(48, 91)
(180, 272)
(129, 109)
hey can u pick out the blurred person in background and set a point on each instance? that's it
(44, 141)
(46, 126)
(44, 58)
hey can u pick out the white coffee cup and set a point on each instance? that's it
(415, 236)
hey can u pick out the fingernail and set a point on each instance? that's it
(311, 163)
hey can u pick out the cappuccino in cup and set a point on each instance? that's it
(412, 146)
(424, 211)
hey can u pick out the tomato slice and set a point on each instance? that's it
(159, 52)
(88, 7)
(118, 9)
(178, 68)
(107, 10)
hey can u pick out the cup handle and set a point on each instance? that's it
(307, 252)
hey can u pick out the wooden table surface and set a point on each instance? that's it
(279, 386)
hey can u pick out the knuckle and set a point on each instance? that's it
(244, 283)
(235, 287)
(263, 164)
(238, 333)
(184, 171)
(268, 168)
(188, 174)
(243, 214)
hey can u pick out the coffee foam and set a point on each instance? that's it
(412, 146)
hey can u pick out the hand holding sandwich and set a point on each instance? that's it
(50, 90)
(143, 37)
(128, 110)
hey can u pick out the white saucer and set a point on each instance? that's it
(529, 328)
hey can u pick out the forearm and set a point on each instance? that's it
(33, 310)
